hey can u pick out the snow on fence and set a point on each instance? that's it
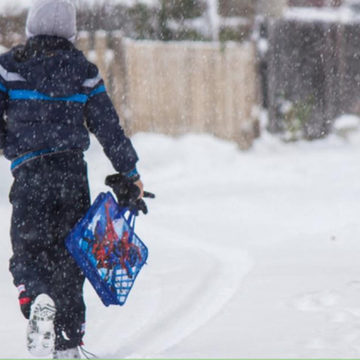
(179, 87)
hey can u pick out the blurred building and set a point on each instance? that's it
(311, 66)
(315, 3)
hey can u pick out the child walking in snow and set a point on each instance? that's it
(50, 96)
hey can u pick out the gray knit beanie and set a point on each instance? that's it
(52, 17)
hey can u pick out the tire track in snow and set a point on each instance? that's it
(205, 300)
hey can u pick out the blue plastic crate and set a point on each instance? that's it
(105, 246)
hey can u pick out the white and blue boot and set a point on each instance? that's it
(40, 330)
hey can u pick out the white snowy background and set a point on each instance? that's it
(252, 254)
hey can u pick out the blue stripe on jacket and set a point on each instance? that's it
(32, 155)
(98, 90)
(3, 88)
(35, 95)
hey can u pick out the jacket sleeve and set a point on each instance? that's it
(3, 104)
(103, 121)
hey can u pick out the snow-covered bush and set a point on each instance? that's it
(294, 115)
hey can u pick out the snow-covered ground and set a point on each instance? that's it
(252, 254)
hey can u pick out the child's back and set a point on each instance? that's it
(50, 97)
(50, 90)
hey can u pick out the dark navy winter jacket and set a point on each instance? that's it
(50, 96)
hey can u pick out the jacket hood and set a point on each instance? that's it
(51, 65)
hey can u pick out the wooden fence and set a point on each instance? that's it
(179, 87)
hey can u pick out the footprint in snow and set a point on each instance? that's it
(317, 301)
(355, 284)
(337, 332)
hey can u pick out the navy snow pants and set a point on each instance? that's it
(49, 195)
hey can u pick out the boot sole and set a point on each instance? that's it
(40, 330)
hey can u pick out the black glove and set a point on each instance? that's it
(127, 192)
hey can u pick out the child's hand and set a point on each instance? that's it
(129, 192)
(140, 185)
(140, 204)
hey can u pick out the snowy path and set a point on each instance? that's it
(252, 254)
(190, 276)
(300, 223)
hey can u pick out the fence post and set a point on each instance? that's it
(120, 80)
(83, 42)
(11, 39)
(100, 48)
(248, 125)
